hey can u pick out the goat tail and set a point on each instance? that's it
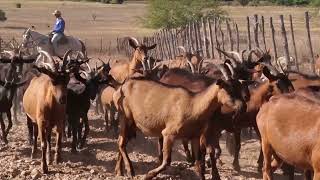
(230, 143)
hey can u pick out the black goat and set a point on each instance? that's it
(80, 92)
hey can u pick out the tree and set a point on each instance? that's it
(2, 15)
(175, 13)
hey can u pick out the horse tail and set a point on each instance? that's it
(83, 48)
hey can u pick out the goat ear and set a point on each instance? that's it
(132, 44)
(152, 47)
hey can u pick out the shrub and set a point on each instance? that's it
(2, 15)
(244, 2)
(176, 13)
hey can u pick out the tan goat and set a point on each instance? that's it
(121, 71)
(170, 112)
(109, 107)
(44, 104)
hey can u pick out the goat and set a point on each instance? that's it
(276, 84)
(147, 105)
(81, 91)
(44, 104)
(8, 89)
(121, 71)
(289, 125)
(109, 108)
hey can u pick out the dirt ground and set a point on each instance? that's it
(97, 159)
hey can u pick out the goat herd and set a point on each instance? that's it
(185, 98)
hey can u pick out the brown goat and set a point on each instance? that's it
(147, 105)
(300, 80)
(109, 107)
(289, 128)
(121, 71)
(44, 104)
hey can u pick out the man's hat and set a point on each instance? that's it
(56, 12)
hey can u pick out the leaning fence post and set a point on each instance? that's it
(309, 41)
(216, 21)
(263, 33)
(294, 43)
(222, 38)
(238, 37)
(204, 28)
(273, 39)
(230, 35)
(285, 41)
(256, 32)
(211, 37)
(249, 34)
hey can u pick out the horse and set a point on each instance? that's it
(38, 41)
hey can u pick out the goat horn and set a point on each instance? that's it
(223, 71)
(200, 66)
(135, 40)
(279, 64)
(242, 55)
(65, 57)
(149, 64)
(230, 54)
(89, 68)
(156, 66)
(182, 49)
(86, 74)
(51, 63)
(143, 65)
(102, 61)
(191, 66)
(10, 53)
(230, 69)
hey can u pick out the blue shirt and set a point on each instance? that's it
(59, 26)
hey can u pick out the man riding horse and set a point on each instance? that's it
(58, 30)
(56, 44)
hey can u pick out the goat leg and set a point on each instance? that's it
(74, 123)
(49, 145)
(107, 118)
(86, 131)
(214, 170)
(160, 147)
(57, 155)
(167, 147)
(30, 129)
(43, 136)
(35, 140)
(190, 158)
(119, 165)
(122, 142)
(3, 129)
(199, 157)
(235, 163)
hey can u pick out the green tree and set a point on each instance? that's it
(175, 13)
(2, 15)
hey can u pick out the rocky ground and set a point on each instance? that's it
(97, 159)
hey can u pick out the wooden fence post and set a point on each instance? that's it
(273, 39)
(211, 37)
(263, 33)
(285, 41)
(309, 41)
(294, 44)
(249, 34)
(256, 32)
(204, 29)
(238, 37)
(216, 35)
(230, 35)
